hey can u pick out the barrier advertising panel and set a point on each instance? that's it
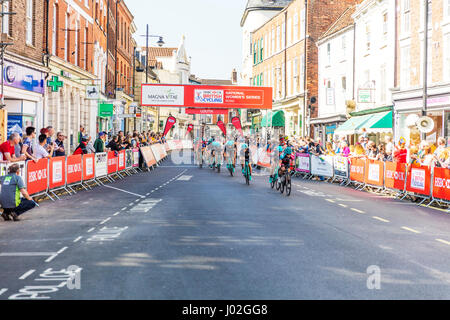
(4, 168)
(166, 146)
(121, 161)
(341, 167)
(101, 164)
(74, 169)
(37, 174)
(128, 159)
(155, 151)
(88, 167)
(254, 153)
(374, 174)
(178, 144)
(441, 183)
(187, 144)
(302, 163)
(419, 180)
(263, 158)
(172, 145)
(112, 162)
(136, 158)
(322, 166)
(148, 156)
(395, 175)
(57, 174)
(162, 151)
(357, 170)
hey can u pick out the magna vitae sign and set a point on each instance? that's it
(194, 96)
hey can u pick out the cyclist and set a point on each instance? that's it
(246, 154)
(230, 152)
(285, 158)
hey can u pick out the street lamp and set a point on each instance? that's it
(160, 43)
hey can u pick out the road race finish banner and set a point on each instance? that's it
(322, 166)
(206, 111)
(129, 159)
(203, 96)
(441, 184)
(169, 124)
(57, 167)
(394, 175)
(136, 153)
(101, 164)
(236, 121)
(88, 167)
(148, 156)
(121, 165)
(341, 167)
(374, 174)
(357, 170)
(222, 127)
(302, 162)
(37, 174)
(74, 169)
(112, 162)
(419, 180)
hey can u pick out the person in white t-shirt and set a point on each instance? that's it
(40, 151)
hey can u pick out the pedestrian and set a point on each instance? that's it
(7, 149)
(82, 147)
(60, 151)
(12, 186)
(99, 144)
(27, 147)
(114, 144)
(81, 133)
(41, 152)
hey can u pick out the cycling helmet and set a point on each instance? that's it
(280, 149)
(244, 146)
(288, 151)
(230, 143)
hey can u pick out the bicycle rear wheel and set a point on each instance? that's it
(288, 185)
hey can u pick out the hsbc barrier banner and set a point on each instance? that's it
(37, 176)
(74, 169)
(135, 157)
(101, 164)
(57, 177)
(112, 162)
(418, 180)
(357, 167)
(155, 151)
(121, 161)
(4, 168)
(441, 183)
(394, 175)
(302, 162)
(263, 158)
(322, 166)
(162, 151)
(148, 156)
(166, 146)
(172, 145)
(128, 159)
(374, 174)
(88, 167)
(340, 166)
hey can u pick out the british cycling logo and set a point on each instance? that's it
(208, 96)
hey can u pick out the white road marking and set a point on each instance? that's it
(91, 229)
(381, 219)
(410, 229)
(78, 239)
(184, 178)
(329, 200)
(2, 291)
(56, 254)
(135, 194)
(62, 250)
(344, 205)
(443, 241)
(25, 254)
(27, 274)
(117, 213)
(356, 210)
(148, 194)
(105, 221)
(124, 208)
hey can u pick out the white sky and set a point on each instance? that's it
(212, 30)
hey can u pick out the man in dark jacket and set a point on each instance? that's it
(99, 144)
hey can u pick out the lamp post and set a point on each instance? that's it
(425, 63)
(160, 43)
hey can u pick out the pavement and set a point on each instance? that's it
(180, 232)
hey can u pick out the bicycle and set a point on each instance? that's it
(247, 173)
(285, 181)
(230, 165)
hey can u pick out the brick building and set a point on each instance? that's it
(24, 74)
(285, 57)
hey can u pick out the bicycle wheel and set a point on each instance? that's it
(278, 183)
(288, 185)
(272, 184)
(282, 187)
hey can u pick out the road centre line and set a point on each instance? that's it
(356, 210)
(105, 221)
(410, 229)
(56, 254)
(125, 191)
(78, 239)
(117, 213)
(343, 205)
(26, 254)
(380, 219)
(124, 208)
(443, 241)
(91, 229)
(2, 291)
(329, 200)
(27, 274)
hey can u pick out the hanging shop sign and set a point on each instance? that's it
(21, 77)
(206, 111)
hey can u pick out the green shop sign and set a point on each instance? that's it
(105, 110)
(55, 84)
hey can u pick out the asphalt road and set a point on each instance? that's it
(180, 232)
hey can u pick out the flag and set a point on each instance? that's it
(222, 127)
(169, 124)
(236, 121)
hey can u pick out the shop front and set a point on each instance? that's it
(325, 127)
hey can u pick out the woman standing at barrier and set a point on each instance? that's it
(114, 144)
(400, 153)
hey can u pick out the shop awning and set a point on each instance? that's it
(374, 123)
(273, 119)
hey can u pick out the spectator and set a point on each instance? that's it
(41, 152)
(81, 133)
(345, 149)
(60, 151)
(372, 150)
(99, 144)
(114, 144)
(12, 186)
(82, 147)
(90, 145)
(400, 153)
(27, 148)
(389, 149)
(7, 149)
(441, 146)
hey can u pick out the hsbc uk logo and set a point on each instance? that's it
(74, 168)
(396, 175)
(37, 175)
(442, 183)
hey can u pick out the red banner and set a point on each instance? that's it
(374, 173)
(395, 175)
(204, 96)
(205, 111)
(357, 170)
(57, 174)
(419, 180)
(74, 171)
(169, 124)
(222, 127)
(112, 162)
(441, 183)
(37, 174)
(236, 121)
(121, 165)
(88, 167)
